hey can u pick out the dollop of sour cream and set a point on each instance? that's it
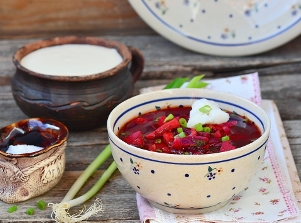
(206, 112)
(21, 149)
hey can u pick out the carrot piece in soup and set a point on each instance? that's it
(168, 126)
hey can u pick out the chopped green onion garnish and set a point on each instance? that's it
(206, 129)
(168, 118)
(186, 153)
(41, 205)
(30, 211)
(159, 150)
(198, 127)
(158, 141)
(12, 209)
(179, 130)
(182, 134)
(225, 138)
(157, 107)
(183, 122)
(196, 83)
(205, 109)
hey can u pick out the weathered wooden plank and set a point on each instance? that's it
(293, 132)
(118, 200)
(285, 90)
(64, 17)
(78, 158)
(297, 157)
(165, 60)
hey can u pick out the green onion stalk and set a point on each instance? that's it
(60, 211)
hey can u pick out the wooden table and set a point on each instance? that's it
(280, 77)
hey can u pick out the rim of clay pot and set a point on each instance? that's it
(64, 132)
(28, 48)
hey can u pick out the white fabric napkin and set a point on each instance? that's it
(269, 197)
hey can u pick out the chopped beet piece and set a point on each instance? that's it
(226, 130)
(217, 134)
(205, 134)
(200, 138)
(140, 120)
(168, 137)
(135, 139)
(161, 120)
(166, 149)
(191, 132)
(226, 146)
(189, 141)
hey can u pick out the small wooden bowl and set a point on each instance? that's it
(80, 102)
(28, 175)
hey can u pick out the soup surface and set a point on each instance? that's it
(164, 130)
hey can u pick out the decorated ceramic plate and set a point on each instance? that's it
(223, 27)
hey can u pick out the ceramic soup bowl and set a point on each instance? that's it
(27, 172)
(187, 183)
(81, 102)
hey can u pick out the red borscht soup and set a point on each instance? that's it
(165, 131)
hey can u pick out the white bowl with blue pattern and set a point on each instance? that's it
(187, 183)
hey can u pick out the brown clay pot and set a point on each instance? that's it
(79, 102)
